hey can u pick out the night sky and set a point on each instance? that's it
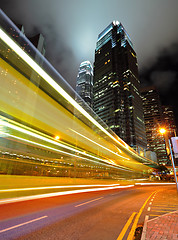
(71, 28)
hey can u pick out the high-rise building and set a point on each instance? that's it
(169, 120)
(84, 84)
(117, 98)
(153, 121)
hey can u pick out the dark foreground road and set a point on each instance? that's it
(107, 215)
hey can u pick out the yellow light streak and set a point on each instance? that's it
(10, 42)
(67, 153)
(37, 134)
(47, 140)
(98, 144)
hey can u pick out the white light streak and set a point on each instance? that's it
(26, 198)
(56, 187)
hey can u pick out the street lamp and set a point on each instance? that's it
(163, 132)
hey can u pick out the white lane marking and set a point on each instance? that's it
(150, 203)
(22, 224)
(146, 217)
(56, 194)
(88, 202)
(114, 194)
(55, 187)
(152, 200)
(149, 208)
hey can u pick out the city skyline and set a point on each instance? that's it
(71, 36)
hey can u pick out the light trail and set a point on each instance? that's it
(57, 150)
(56, 187)
(36, 134)
(47, 195)
(11, 43)
(98, 144)
(155, 183)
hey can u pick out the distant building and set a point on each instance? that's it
(169, 120)
(84, 84)
(117, 98)
(153, 121)
(151, 155)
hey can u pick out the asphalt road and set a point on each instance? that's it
(91, 216)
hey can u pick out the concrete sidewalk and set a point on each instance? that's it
(164, 226)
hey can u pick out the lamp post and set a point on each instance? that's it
(163, 132)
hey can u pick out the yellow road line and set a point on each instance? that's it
(124, 230)
(88, 202)
(132, 231)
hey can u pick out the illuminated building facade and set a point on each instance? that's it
(153, 121)
(117, 98)
(84, 84)
(169, 120)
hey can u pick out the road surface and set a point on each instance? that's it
(106, 215)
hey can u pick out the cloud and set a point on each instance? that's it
(163, 73)
(71, 27)
(163, 80)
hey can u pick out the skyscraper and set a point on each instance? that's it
(84, 84)
(153, 121)
(117, 98)
(169, 120)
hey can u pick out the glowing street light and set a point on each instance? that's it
(162, 130)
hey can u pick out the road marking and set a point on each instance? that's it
(166, 207)
(124, 230)
(134, 226)
(149, 208)
(88, 202)
(154, 210)
(22, 224)
(150, 203)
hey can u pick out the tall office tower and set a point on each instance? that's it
(169, 120)
(153, 121)
(84, 84)
(38, 41)
(117, 98)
